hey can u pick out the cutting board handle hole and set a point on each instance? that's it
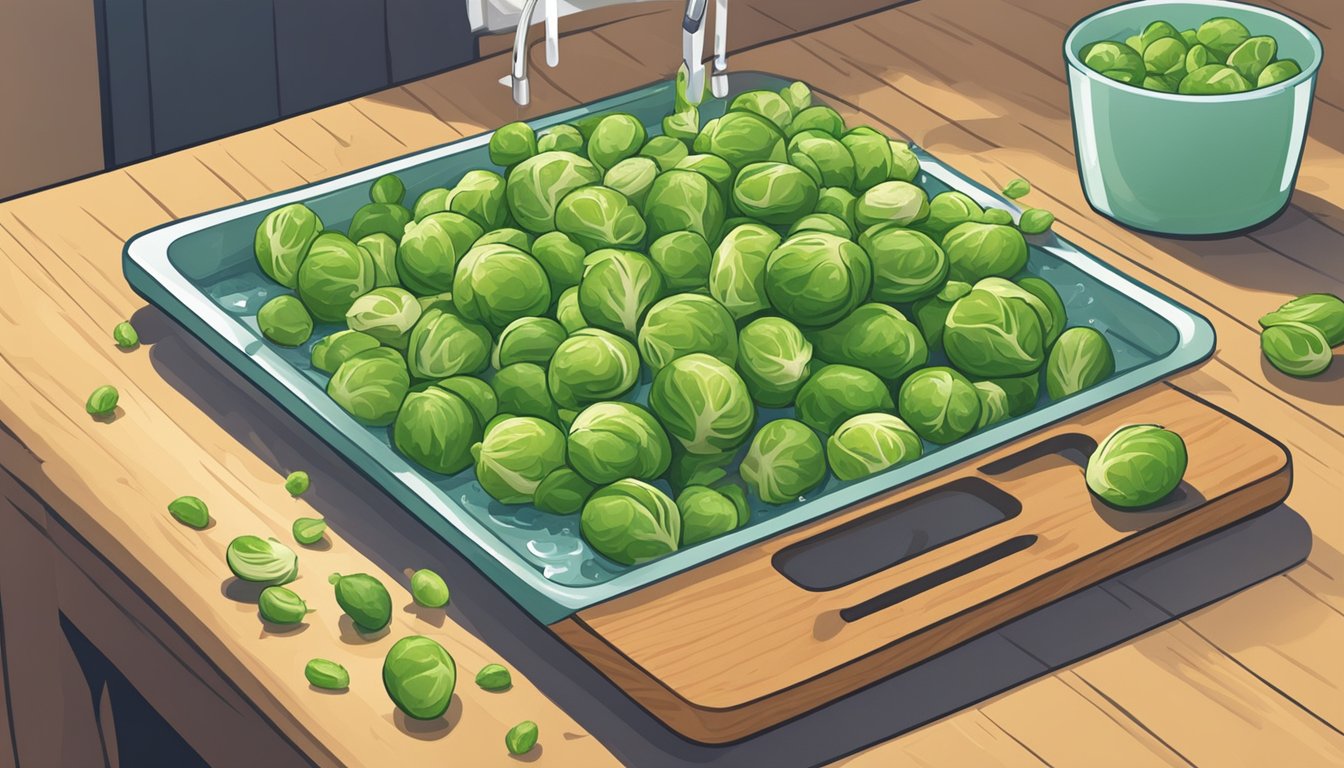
(1074, 447)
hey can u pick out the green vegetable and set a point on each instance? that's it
(478, 395)
(683, 200)
(125, 336)
(263, 561)
(996, 216)
(419, 677)
(897, 203)
(282, 606)
(632, 177)
(907, 265)
(931, 311)
(616, 137)
(815, 279)
(497, 284)
(1213, 80)
(444, 343)
(190, 510)
(364, 599)
(709, 512)
(567, 311)
(512, 144)
(386, 314)
(600, 217)
(1321, 311)
(976, 251)
(947, 210)
(989, 335)
(521, 390)
(330, 351)
(521, 738)
(563, 492)
(1278, 72)
(683, 324)
(838, 392)
(817, 118)
(1165, 58)
(376, 218)
(283, 239)
(618, 288)
(666, 151)
(904, 162)
(767, 104)
(508, 236)
(631, 522)
(775, 193)
(538, 184)
(839, 203)
(1222, 35)
(590, 366)
(774, 359)
(1022, 392)
(737, 271)
(683, 259)
(613, 440)
(563, 137)
(994, 405)
(1114, 60)
(876, 337)
(327, 675)
(333, 274)
(870, 443)
(1039, 295)
(516, 454)
(429, 589)
(1137, 466)
(371, 385)
(479, 195)
(382, 250)
(682, 125)
(432, 201)
(1297, 349)
(743, 138)
(823, 157)
(527, 340)
(561, 258)
(494, 677)
(872, 157)
(797, 96)
(785, 461)
(702, 403)
(1016, 188)
(102, 400)
(309, 530)
(431, 248)
(941, 405)
(1156, 31)
(436, 429)
(296, 483)
(1082, 358)
(284, 321)
(821, 222)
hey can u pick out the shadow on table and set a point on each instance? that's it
(1069, 630)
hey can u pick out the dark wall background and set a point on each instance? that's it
(179, 72)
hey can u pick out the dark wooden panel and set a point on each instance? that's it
(129, 134)
(425, 36)
(329, 50)
(211, 68)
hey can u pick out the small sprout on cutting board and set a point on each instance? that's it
(494, 677)
(262, 561)
(1137, 466)
(102, 400)
(125, 336)
(309, 530)
(327, 675)
(1035, 221)
(297, 483)
(429, 589)
(1017, 188)
(279, 605)
(364, 599)
(521, 738)
(189, 510)
(419, 676)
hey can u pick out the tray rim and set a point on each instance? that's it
(151, 274)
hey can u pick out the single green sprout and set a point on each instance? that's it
(419, 676)
(309, 530)
(521, 738)
(1137, 466)
(429, 589)
(364, 599)
(1016, 188)
(494, 677)
(281, 606)
(1322, 311)
(262, 561)
(1035, 221)
(125, 336)
(327, 675)
(189, 510)
(102, 400)
(1297, 349)
(285, 321)
(996, 216)
(296, 483)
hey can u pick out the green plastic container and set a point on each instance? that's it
(1189, 165)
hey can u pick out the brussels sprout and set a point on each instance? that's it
(815, 279)
(508, 236)
(996, 216)
(891, 202)
(328, 353)
(371, 385)
(947, 210)
(784, 462)
(125, 336)
(689, 469)
(941, 405)
(931, 311)
(327, 675)
(1189, 37)
(665, 151)
(823, 157)
(189, 510)
(682, 125)
(774, 359)
(432, 201)
(631, 522)
(308, 530)
(563, 137)
(285, 321)
(907, 265)
(261, 561)
(567, 311)
(443, 343)
(296, 483)
(479, 196)
(281, 606)
(821, 222)
(870, 443)
(430, 250)
(527, 340)
(592, 365)
(522, 390)
(904, 162)
(429, 589)
(538, 184)
(1322, 311)
(563, 492)
(704, 140)
(775, 193)
(1035, 221)
(1222, 35)
(478, 396)
(743, 138)
(797, 96)
(387, 189)
(767, 104)
(1165, 58)
(683, 324)
(1081, 358)
(1163, 83)
(373, 218)
(516, 454)
(836, 392)
(876, 337)
(976, 251)
(616, 137)
(683, 259)
(494, 677)
(1137, 466)
(561, 259)
(1198, 56)
(840, 203)
(419, 675)
(1156, 31)
(1297, 349)
(436, 429)
(632, 177)
(386, 314)
(994, 406)
(512, 144)
(1278, 72)
(703, 404)
(737, 271)
(612, 440)
(1135, 42)
(1114, 60)
(497, 284)
(617, 288)
(988, 335)
(333, 275)
(1213, 80)
(707, 512)
(382, 250)
(817, 118)
(714, 168)
(521, 738)
(1041, 297)
(283, 239)
(599, 217)
(872, 157)
(1022, 392)
(683, 200)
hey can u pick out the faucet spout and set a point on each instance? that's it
(522, 91)
(693, 49)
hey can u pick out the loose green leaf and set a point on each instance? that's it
(521, 738)
(309, 530)
(102, 400)
(1017, 188)
(327, 675)
(279, 605)
(494, 677)
(190, 510)
(296, 483)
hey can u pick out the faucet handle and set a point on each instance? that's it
(693, 49)
(719, 82)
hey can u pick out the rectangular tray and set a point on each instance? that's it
(202, 273)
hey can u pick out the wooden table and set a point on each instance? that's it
(89, 558)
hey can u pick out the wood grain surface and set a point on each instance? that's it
(976, 82)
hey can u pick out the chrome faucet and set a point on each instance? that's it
(692, 49)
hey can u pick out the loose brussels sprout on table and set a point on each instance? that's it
(419, 676)
(1297, 337)
(1137, 466)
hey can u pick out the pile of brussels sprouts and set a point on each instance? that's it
(1220, 56)
(773, 258)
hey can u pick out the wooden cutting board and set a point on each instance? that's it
(789, 624)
